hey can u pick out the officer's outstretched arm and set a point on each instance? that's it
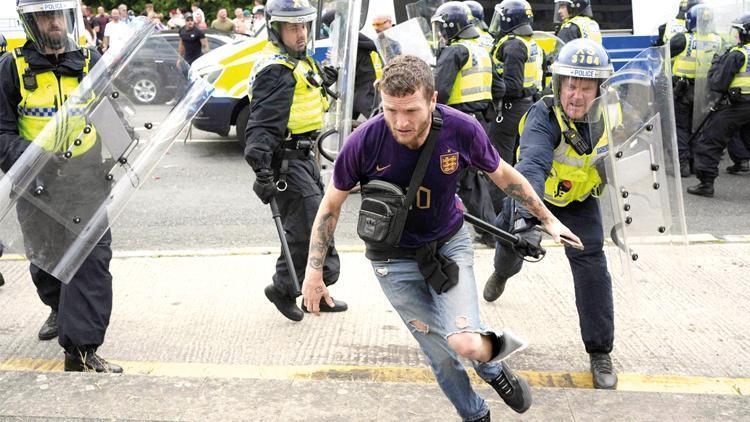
(517, 187)
(321, 238)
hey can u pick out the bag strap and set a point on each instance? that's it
(424, 158)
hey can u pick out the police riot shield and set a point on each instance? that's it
(406, 38)
(551, 45)
(712, 36)
(345, 27)
(642, 201)
(77, 175)
(424, 9)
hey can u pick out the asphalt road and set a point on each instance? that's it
(200, 196)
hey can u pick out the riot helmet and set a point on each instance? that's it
(572, 8)
(452, 21)
(699, 12)
(51, 25)
(3, 43)
(581, 60)
(281, 12)
(686, 5)
(741, 29)
(512, 16)
(477, 13)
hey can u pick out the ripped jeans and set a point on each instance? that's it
(431, 318)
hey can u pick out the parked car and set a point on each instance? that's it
(146, 85)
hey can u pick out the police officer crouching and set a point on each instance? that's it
(463, 79)
(37, 78)
(729, 74)
(518, 61)
(559, 157)
(287, 103)
(576, 21)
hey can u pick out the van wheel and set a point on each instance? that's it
(242, 117)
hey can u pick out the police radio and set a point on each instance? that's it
(577, 142)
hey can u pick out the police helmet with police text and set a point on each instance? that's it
(279, 12)
(513, 16)
(580, 59)
(51, 25)
(452, 20)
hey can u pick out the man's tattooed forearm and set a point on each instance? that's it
(321, 240)
(515, 191)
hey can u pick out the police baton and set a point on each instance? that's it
(284, 245)
(516, 242)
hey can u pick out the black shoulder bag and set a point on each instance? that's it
(382, 216)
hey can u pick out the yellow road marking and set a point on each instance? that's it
(627, 381)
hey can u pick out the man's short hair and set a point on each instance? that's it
(405, 75)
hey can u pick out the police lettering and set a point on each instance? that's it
(583, 73)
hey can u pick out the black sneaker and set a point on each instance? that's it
(338, 306)
(702, 189)
(494, 287)
(49, 328)
(485, 418)
(86, 360)
(602, 372)
(514, 390)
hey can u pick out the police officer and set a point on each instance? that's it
(675, 26)
(728, 75)
(686, 48)
(518, 61)
(559, 157)
(36, 80)
(3, 44)
(287, 102)
(576, 21)
(463, 79)
(477, 17)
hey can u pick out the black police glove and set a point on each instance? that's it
(264, 185)
(529, 238)
(330, 75)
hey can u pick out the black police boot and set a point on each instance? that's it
(338, 306)
(702, 189)
(494, 287)
(514, 390)
(2, 279)
(49, 328)
(684, 170)
(602, 373)
(286, 305)
(743, 166)
(86, 360)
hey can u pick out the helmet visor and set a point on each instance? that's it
(563, 11)
(296, 38)
(497, 18)
(575, 96)
(735, 33)
(52, 27)
(438, 39)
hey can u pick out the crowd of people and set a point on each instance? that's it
(248, 21)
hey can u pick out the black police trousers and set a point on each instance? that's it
(683, 112)
(593, 284)
(504, 137)
(298, 205)
(718, 130)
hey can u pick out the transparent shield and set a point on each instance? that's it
(406, 38)
(423, 9)
(78, 174)
(712, 36)
(343, 56)
(642, 201)
(551, 46)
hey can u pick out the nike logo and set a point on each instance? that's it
(379, 169)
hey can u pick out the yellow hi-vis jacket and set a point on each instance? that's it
(310, 102)
(38, 106)
(474, 80)
(587, 27)
(742, 78)
(697, 48)
(377, 64)
(533, 68)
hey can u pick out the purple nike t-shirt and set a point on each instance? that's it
(371, 153)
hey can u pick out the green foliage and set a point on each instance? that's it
(210, 7)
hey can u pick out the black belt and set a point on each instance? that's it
(380, 252)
